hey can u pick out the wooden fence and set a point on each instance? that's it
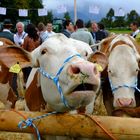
(73, 125)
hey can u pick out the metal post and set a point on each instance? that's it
(75, 11)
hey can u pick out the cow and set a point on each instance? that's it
(119, 79)
(9, 89)
(63, 78)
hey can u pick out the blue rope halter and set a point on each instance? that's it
(114, 88)
(29, 123)
(56, 79)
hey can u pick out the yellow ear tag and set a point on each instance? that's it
(99, 67)
(15, 68)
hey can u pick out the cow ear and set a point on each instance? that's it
(100, 59)
(11, 55)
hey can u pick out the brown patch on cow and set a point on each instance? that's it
(133, 112)
(5, 75)
(121, 42)
(105, 44)
(12, 55)
(81, 110)
(99, 58)
(33, 96)
(6, 42)
(12, 98)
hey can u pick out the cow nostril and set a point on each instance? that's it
(75, 70)
(95, 70)
(124, 102)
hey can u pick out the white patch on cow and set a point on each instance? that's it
(0, 68)
(122, 69)
(57, 49)
(4, 90)
(1, 43)
(31, 76)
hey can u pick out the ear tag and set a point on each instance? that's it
(15, 68)
(99, 67)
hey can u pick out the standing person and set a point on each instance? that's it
(102, 29)
(49, 28)
(20, 34)
(134, 26)
(42, 32)
(97, 33)
(31, 41)
(82, 33)
(94, 29)
(6, 33)
(68, 28)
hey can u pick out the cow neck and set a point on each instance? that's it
(55, 79)
(121, 42)
(105, 45)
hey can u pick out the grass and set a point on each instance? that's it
(120, 31)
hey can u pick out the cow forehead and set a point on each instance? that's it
(59, 42)
(124, 38)
(122, 58)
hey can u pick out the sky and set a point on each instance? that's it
(104, 5)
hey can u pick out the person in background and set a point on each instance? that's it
(49, 29)
(20, 34)
(42, 32)
(134, 26)
(97, 33)
(94, 29)
(6, 33)
(102, 29)
(31, 41)
(82, 33)
(68, 28)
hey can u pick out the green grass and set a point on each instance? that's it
(120, 31)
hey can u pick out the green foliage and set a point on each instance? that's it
(67, 16)
(110, 21)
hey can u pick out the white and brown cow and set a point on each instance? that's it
(78, 78)
(7, 92)
(77, 71)
(121, 76)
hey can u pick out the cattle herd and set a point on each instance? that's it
(67, 75)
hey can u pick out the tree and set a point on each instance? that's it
(132, 16)
(13, 6)
(109, 17)
(34, 5)
(88, 24)
(119, 22)
(67, 16)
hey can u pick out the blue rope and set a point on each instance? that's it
(29, 123)
(113, 88)
(56, 79)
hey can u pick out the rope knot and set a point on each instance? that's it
(25, 124)
(55, 80)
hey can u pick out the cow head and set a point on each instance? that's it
(79, 79)
(73, 81)
(123, 70)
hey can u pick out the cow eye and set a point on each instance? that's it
(137, 70)
(109, 71)
(43, 51)
(86, 53)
